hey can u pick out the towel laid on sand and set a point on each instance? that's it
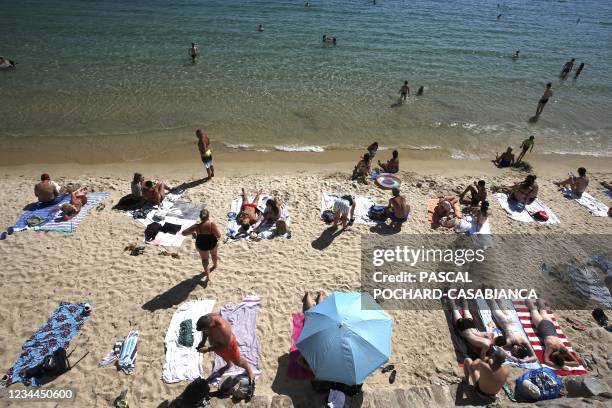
(294, 370)
(234, 231)
(243, 320)
(595, 207)
(124, 353)
(525, 318)
(525, 214)
(488, 321)
(587, 281)
(184, 363)
(58, 225)
(362, 207)
(462, 350)
(63, 324)
(45, 211)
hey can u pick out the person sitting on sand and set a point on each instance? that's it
(78, 199)
(519, 347)
(344, 210)
(506, 159)
(271, 213)
(482, 215)
(362, 169)
(577, 185)
(249, 213)
(525, 192)
(487, 375)
(398, 208)
(137, 185)
(392, 165)
(447, 212)
(555, 353)
(207, 235)
(46, 190)
(154, 192)
(478, 193)
(222, 342)
(479, 342)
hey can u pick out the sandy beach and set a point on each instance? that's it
(42, 269)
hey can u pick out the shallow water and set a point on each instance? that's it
(101, 68)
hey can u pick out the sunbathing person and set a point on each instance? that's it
(46, 191)
(487, 375)
(362, 169)
(447, 212)
(78, 199)
(506, 159)
(307, 304)
(577, 185)
(555, 353)
(221, 341)
(249, 213)
(479, 342)
(478, 193)
(154, 192)
(207, 235)
(392, 165)
(344, 210)
(520, 349)
(522, 193)
(398, 208)
(137, 185)
(482, 215)
(271, 213)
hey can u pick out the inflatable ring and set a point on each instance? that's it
(387, 181)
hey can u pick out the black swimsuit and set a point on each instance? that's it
(206, 242)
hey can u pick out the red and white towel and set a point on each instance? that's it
(525, 319)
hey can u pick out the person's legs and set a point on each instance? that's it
(344, 220)
(536, 317)
(215, 257)
(245, 199)
(473, 374)
(542, 309)
(539, 108)
(212, 171)
(320, 297)
(454, 310)
(337, 216)
(204, 256)
(466, 310)
(307, 302)
(243, 363)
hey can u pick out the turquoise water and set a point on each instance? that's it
(100, 68)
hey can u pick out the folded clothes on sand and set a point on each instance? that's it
(63, 324)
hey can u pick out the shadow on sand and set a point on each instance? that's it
(533, 119)
(300, 391)
(327, 237)
(175, 295)
(187, 185)
(383, 228)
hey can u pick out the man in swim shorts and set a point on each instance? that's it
(344, 209)
(398, 208)
(544, 99)
(555, 353)
(221, 341)
(487, 375)
(205, 153)
(46, 191)
(526, 145)
(478, 193)
(506, 159)
(578, 184)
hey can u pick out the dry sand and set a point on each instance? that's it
(42, 269)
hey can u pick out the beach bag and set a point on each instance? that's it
(377, 213)
(538, 385)
(52, 365)
(152, 230)
(327, 216)
(540, 216)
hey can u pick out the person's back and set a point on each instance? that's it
(45, 191)
(400, 206)
(492, 379)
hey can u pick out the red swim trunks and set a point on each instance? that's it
(232, 353)
(250, 205)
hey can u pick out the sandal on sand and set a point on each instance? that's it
(392, 377)
(100, 207)
(388, 368)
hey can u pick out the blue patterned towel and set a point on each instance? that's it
(56, 224)
(62, 326)
(46, 211)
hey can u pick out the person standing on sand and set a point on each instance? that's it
(525, 146)
(205, 153)
(544, 99)
(207, 235)
(404, 91)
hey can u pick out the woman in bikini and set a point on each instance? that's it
(271, 214)
(78, 199)
(249, 213)
(206, 234)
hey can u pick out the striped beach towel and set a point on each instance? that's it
(525, 319)
(44, 211)
(57, 225)
(127, 357)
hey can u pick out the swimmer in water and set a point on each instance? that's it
(516, 54)
(260, 28)
(420, 91)
(194, 51)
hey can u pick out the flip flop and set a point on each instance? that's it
(577, 324)
(509, 393)
(10, 230)
(392, 377)
(388, 368)
(3, 236)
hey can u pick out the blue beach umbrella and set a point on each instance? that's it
(346, 337)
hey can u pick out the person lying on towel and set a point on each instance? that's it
(577, 185)
(488, 376)
(249, 213)
(221, 341)
(78, 199)
(522, 193)
(448, 211)
(307, 304)
(479, 342)
(555, 353)
(517, 344)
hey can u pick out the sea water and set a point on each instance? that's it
(94, 69)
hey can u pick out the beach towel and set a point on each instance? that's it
(294, 370)
(362, 207)
(184, 363)
(45, 211)
(462, 351)
(124, 353)
(63, 324)
(525, 319)
(56, 223)
(588, 282)
(243, 320)
(488, 321)
(234, 231)
(595, 207)
(524, 215)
